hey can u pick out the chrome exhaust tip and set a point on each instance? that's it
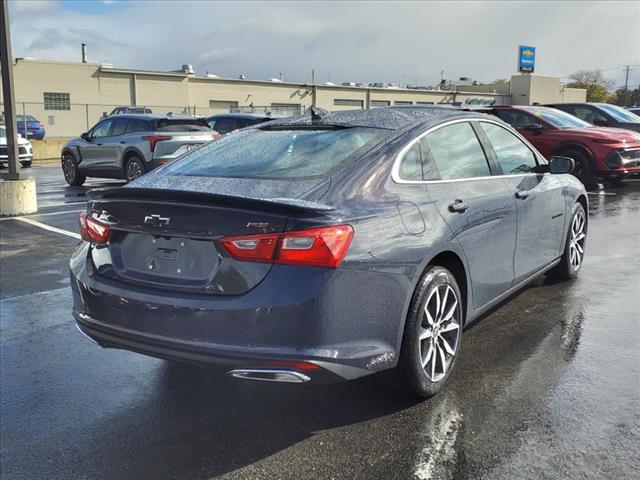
(269, 375)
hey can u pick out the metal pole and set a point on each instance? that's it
(626, 84)
(86, 115)
(8, 95)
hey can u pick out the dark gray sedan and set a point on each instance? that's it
(327, 246)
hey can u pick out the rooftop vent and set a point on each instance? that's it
(188, 69)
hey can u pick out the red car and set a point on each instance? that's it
(609, 153)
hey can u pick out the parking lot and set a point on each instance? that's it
(547, 385)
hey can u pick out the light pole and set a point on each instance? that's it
(17, 195)
(8, 95)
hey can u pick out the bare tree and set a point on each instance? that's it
(593, 82)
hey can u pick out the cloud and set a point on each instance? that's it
(349, 41)
(32, 7)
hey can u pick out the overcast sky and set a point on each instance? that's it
(358, 41)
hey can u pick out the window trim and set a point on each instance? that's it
(395, 170)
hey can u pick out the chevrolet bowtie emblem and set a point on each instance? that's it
(157, 220)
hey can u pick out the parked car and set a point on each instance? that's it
(30, 127)
(228, 122)
(634, 110)
(126, 110)
(608, 153)
(328, 246)
(128, 146)
(601, 114)
(25, 150)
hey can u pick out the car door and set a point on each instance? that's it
(93, 150)
(539, 198)
(117, 142)
(479, 208)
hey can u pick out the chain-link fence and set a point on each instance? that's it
(62, 120)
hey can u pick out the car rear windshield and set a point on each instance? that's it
(620, 114)
(182, 125)
(277, 154)
(26, 118)
(559, 118)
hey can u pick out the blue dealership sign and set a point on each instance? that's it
(526, 59)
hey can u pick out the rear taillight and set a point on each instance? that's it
(314, 247)
(93, 230)
(153, 139)
(41, 125)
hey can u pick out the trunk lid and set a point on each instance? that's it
(168, 239)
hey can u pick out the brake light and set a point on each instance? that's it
(252, 248)
(93, 230)
(41, 125)
(153, 139)
(314, 247)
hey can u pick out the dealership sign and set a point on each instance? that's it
(480, 101)
(526, 59)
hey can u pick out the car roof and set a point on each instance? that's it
(155, 116)
(392, 118)
(248, 116)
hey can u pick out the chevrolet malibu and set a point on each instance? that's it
(328, 246)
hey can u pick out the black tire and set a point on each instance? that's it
(583, 169)
(71, 171)
(410, 375)
(568, 269)
(134, 168)
(26, 164)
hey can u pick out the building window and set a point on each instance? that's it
(286, 108)
(344, 102)
(57, 101)
(380, 103)
(402, 102)
(223, 105)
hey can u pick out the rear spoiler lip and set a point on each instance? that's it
(128, 193)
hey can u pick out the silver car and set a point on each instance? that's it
(128, 146)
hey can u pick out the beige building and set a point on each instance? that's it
(71, 97)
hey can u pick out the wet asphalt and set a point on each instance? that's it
(547, 385)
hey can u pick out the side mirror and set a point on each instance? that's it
(85, 136)
(601, 122)
(533, 127)
(561, 165)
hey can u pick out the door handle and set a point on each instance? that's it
(458, 206)
(522, 194)
(123, 142)
(98, 144)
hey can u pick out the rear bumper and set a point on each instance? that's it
(23, 158)
(346, 322)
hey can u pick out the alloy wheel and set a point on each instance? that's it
(576, 242)
(134, 170)
(440, 332)
(68, 168)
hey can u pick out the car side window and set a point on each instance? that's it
(102, 129)
(138, 125)
(456, 152)
(512, 154)
(588, 114)
(411, 164)
(517, 119)
(224, 125)
(119, 126)
(212, 123)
